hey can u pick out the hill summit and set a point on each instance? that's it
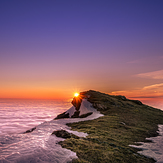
(124, 122)
(100, 101)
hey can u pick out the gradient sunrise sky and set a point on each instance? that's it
(52, 48)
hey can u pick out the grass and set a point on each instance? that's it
(124, 122)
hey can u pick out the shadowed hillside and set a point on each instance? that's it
(124, 122)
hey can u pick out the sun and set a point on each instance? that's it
(76, 94)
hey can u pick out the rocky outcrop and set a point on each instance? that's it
(63, 115)
(99, 106)
(76, 102)
(100, 101)
(64, 134)
(86, 115)
(136, 102)
(28, 131)
(76, 114)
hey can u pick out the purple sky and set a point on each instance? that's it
(53, 47)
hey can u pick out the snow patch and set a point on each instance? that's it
(86, 107)
(153, 149)
(71, 111)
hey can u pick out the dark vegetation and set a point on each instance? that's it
(124, 122)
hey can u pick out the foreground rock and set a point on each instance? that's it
(31, 130)
(76, 111)
(64, 134)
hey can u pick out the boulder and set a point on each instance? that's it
(76, 114)
(85, 115)
(137, 102)
(28, 131)
(76, 102)
(64, 134)
(63, 115)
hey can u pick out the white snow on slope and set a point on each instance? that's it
(153, 149)
(71, 111)
(40, 145)
(85, 108)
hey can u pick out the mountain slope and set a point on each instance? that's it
(124, 122)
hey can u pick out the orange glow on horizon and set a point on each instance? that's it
(35, 93)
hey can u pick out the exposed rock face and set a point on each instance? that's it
(76, 114)
(76, 102)
(85, 115)
(122, 98)
(100, 106)
(63, 115)
(64, 134)
(28, 131)
(137, 102)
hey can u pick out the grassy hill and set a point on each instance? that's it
(124, 122)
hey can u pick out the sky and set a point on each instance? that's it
(53, 48)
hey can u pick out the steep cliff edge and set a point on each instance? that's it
(124, 122)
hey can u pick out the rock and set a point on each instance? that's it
(122, 98)
(85, 115)
(76, 114)
(77, 102)
(122, 123)
(99, 106)
(64, 134)
(137, 102)
(63, 115)
(28, 131)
